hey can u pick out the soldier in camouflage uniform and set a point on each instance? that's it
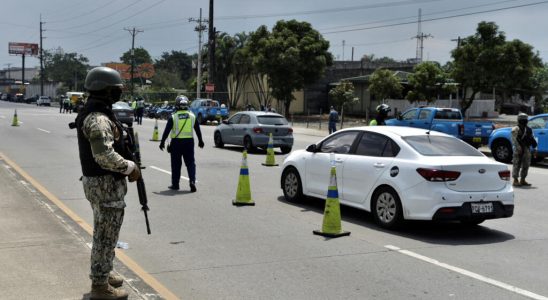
(105, 164)
(522, 141)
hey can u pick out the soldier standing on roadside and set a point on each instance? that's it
(522, 141)
(105, 165)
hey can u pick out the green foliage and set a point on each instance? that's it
(67, 68)
(427, 82)
(383, 84)
(539, 85)
(166, 79)
(342, 94)
(292, 55)
(177, 63)
(141, 56)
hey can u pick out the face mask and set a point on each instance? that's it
(522, 122)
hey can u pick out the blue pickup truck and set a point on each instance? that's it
(500, 141)
(208, 110)
(446, 120)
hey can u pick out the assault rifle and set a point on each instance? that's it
(133, 145)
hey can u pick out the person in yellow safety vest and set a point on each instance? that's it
(382, 114)
(180, 127)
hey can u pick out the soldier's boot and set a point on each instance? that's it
(516, 182)
(107, 292)
(524, 183)
(115, 280)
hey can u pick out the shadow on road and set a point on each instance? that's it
(171, 193)
(439, 233)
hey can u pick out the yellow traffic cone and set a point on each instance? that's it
(155, 132)
(331, 226)
(270, 158)
(15, 121)
(243, 194)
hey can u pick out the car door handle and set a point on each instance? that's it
(379, 165)
(339, 161)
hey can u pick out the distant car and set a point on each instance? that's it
(123, 112)
(43, 101)
(399, 173)
(208, 110)
(251, 129)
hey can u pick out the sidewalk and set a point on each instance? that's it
(42, 255)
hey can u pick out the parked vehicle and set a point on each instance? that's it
(43, 101)
(402, 174)
(207, 109)
(252, 129)
(32, 99)
(123, 112)
(500, 141)
(446, 120)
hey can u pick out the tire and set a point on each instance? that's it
(200, 119)
(502, 151)
(386, 208)
(292, 185)
(248, 144)
(218, 139)
(285, 149)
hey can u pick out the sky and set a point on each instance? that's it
(97, 28)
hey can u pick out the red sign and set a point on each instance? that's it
(209, 87)
(23, 49)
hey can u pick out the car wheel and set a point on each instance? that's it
(200, 119)
(248, 144)
(502, 151)
(292, 185)
(285, 149)
(386, 208)
(218, 140)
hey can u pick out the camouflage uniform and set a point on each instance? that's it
(105, 193)
(521, 157)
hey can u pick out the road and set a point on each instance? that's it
(202, 247)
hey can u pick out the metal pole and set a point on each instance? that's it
(320, 121)
(41, 60)
(307, 117)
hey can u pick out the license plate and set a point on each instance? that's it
(482, 208)
(476, 140)
(122, 114)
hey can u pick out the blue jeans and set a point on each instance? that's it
(332, 127)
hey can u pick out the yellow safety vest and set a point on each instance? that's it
(183, 123)
(134, 104)
(373, 122)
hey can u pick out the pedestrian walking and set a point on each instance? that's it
(66, 105)
(105, 165)
(139, 111)
(333, 119)
(382, 114)
(180, 127)
(522, 142)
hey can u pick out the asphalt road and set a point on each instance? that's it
(202, 247)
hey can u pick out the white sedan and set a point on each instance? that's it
(400, 173)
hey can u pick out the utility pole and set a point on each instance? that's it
(211, 46)
(343, 44)
(420, 39)
(41, 59)
(457, 40)
(133, 33)
(200, 28)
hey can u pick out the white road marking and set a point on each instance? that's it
(167, 172)
(43, 130)
(473, 275)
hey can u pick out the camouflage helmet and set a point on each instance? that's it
(522, 116)
(100, 78)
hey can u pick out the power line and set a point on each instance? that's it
(78, 16)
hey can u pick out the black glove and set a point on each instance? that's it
(201, 144)
(162, 146)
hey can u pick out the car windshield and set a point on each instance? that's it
(272, 120)
(428, 145)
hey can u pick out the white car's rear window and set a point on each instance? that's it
(440, 146)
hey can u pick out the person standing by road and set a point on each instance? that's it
(139, 111)
(66, 105)
(382, 114)
(61, 104)
(522, 141)
(105, 164)
(333, 119)
(181, 126)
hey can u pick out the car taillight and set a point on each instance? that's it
(438, 175)
(290, 130)
(257, 130)
(461, 129)
(505, 175)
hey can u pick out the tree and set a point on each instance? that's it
(141, 56)
(383, 84)
(176, 62)
(166, 79)
(427, 82)
(292, 55)
(539, 86)
(68, 68)
(485, 61)
(342, 95)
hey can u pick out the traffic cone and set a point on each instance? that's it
(270, 159)
(15, 121)
(155, 132)
(243, 194)
(331, 226)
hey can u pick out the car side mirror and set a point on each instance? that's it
(312, 148)
(225, 122)
(399, 117)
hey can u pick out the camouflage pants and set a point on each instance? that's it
(106, 196)
(521, 162)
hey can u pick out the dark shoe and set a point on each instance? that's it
(106, 291)
(175, 188)
(524, 183)
(192, 187)
(516, 182)
(115, 280)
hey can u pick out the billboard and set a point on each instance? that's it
(23, 49)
